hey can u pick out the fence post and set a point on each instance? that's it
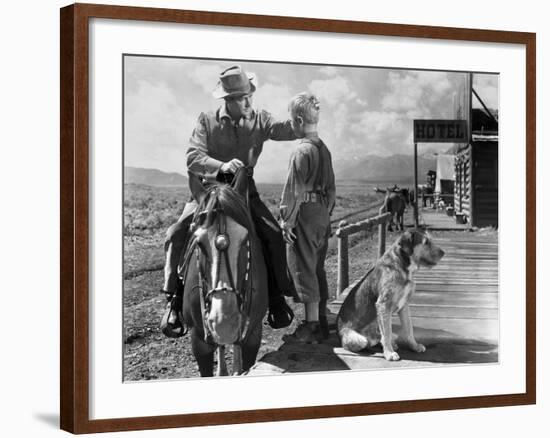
(343, 262)
(382, 234)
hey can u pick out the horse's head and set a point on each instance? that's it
(222, 229)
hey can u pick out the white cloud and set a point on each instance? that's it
(273, 98)
(329, 71)
(487, 88)
(156, 128)
(412, 90)
(382, 132)
(364, 111)
(205, 75)
(332, 91)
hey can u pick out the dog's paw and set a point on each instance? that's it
(392, 356)
(418, 348)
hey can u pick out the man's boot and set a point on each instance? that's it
(172, 324)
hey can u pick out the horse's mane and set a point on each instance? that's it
(224, 197)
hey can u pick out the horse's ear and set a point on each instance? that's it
(197, 189)
(240, 181)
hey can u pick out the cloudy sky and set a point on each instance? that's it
(364, 111)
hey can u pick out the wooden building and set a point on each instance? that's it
(476, 173)
(445, 178)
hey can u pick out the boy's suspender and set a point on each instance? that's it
(318, 185)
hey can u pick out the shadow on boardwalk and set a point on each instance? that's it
(443, 348)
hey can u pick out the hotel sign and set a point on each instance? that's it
(440, 131)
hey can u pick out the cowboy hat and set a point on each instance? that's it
(234, 82)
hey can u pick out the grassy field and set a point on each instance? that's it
(148, 212)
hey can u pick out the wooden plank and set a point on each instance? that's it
(451, 261)
(444, 280)
(456, 299)
(453, 312)
(456, 288)
(461, 273)
(435, 276)
(468, 244)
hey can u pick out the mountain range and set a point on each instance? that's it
(398, 168)
(153, 177)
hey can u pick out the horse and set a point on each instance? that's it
(408, 196)
(224, 277)
(395, 203)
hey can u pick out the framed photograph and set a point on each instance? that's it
(275, 218)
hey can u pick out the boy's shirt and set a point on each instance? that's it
(302, 176)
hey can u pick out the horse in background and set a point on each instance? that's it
(395, 203)
(224, 277)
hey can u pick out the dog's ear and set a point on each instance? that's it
(405, 240)
(404, 248)
(405, 243)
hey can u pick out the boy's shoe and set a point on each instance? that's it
(308, 332)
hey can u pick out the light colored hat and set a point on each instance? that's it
(234, 82)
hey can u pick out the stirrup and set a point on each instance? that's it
(174, 327)
(280, 316)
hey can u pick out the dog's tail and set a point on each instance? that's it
(352, 340)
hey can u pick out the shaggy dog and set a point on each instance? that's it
(365, 317)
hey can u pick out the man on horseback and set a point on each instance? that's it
(222, 142)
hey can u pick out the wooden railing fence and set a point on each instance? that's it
(345, 230)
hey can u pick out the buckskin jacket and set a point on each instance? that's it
(217, 139)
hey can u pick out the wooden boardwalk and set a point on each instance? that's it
(455, 310)
(462, 289)
(455, 314)
(434, 220)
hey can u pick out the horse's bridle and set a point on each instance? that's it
(222, 243)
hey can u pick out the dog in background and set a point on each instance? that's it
(365, 317)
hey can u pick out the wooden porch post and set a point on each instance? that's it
(382, 234)
(416, 185)
(343, 261)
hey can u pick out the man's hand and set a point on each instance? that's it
(231, 166)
